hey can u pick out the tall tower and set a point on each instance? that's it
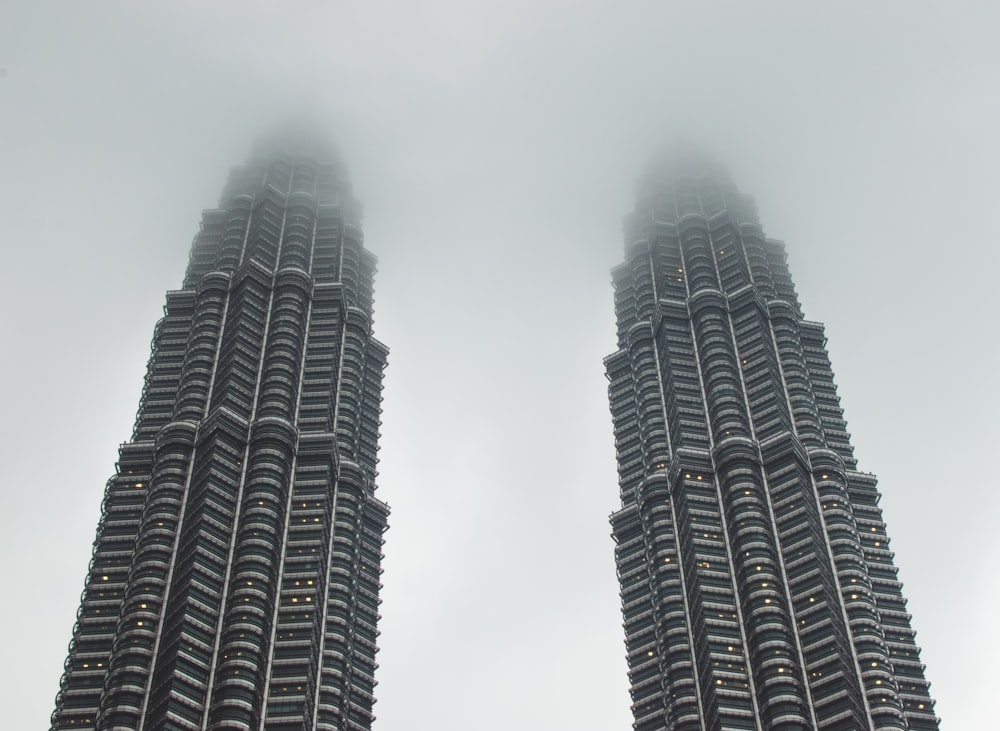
(235, 576)
(758, 589)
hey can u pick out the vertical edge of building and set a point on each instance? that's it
(757, 585)
(235, 577)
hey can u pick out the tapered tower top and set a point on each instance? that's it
(681, 181)
(296, 158)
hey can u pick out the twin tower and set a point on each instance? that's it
(234, 580)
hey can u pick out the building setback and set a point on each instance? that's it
(758, 589)
(235, 576)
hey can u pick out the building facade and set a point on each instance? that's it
(234, 581)
(757, 584)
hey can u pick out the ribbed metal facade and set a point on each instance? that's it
(235, 576)
(758, 588)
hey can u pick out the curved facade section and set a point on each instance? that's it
(758, 591)
(235, 577)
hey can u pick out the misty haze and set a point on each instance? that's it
(496, 153)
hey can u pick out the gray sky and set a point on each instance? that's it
(495, 147)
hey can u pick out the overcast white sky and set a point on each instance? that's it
(495, 147)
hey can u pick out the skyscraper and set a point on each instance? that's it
(235, 576)
(758, 588)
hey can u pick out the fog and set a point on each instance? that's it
(495, 147)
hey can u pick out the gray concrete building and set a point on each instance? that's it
(757, 582)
